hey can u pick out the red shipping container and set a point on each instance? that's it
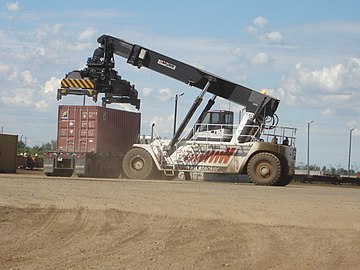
(96, 129)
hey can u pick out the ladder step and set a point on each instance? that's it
(169, 172)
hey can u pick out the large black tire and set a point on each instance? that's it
(264, 169)
(284, 180)
(138, 164)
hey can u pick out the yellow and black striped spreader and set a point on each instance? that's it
(77, 83)
(72, 86)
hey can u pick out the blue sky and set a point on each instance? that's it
(306, 53)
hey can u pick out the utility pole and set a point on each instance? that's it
(175, 113)
(308, 148)
(351, 130)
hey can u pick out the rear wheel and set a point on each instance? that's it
(264, 169)
(138, 164)
(284, 180)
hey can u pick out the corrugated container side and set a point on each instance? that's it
(8, 153)
(117, 128)
(96, 129)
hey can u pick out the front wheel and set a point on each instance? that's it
(138, 164)
(264, 169)
(284, 180)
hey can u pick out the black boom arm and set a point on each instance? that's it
(259, 104)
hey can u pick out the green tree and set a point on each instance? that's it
(37, 150)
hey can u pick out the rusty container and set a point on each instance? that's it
(8, 153)
(93, 129)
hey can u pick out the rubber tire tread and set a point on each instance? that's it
(284, 181)
(273, 179)
(149, 169)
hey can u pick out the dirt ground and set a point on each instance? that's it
(74, 223)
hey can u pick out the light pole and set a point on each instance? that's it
(175, 113)
(308, 147)
(351, 130)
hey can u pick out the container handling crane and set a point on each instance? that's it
(99, 77)
(257, 146)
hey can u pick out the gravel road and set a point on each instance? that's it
(78, 223)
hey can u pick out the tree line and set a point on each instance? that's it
(37, 150)
(327, 170)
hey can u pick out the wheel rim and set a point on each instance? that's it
(137, 163)
(264, 170)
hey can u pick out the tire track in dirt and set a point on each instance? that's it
(53, 224)
(50, 238)
(76, 234)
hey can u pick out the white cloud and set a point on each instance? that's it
(88, 34)
(328, 112)
(45, 30)
(27, 77)
(164, 94)
(257, 30)
(51, 85)
(146, 92)
(56, 41)
(39, 51)
(351, 73)
(240, 77)
(21, 78)
(12, 6)
(326, 78)
(4, 68)
(126, 107)
(260, 21)
(251, 30)
(237, 51)
(79, 46)
(200, 65)
(47, 94)
(163, 124)
(355, 124)
(42, 105)
(19, 97)
(41, 31)
(332, 90)
(260, 59)
(356, 132)
(336, 98)
(235, 71)
(14, 75)
(339, 77)
(285, 96)
(57, 28)
(274, 36)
